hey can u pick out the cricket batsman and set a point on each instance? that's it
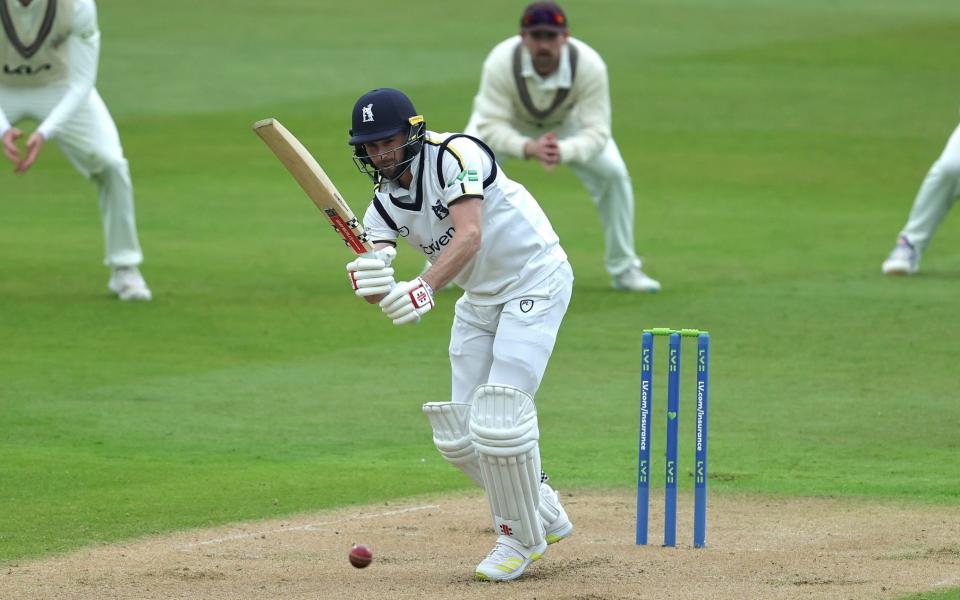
(445, 195)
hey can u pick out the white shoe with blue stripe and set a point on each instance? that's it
(903, 260)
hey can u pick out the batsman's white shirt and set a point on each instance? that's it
(519, 247)
(518, 285)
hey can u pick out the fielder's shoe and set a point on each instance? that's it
(556, 523)
(903, 260)
(128, 284)
(635, 280)
(508, 559)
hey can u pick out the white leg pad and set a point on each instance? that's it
(503, 424)
(451, 435)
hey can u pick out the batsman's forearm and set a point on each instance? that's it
(464, 246)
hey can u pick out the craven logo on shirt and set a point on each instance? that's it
(26, 69)
(438, 244)
(440, 210)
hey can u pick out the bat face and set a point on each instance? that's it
(314, 181)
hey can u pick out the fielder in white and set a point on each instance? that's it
(544, 95)
(50, 51)
(937, 194)
(445, 195)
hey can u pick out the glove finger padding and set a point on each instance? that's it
(373, 287)
(366, 264)
(371, 273)
(370, 261)
(408, 301)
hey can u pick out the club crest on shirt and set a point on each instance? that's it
(440, 210)
(526, 305)
(367, 113)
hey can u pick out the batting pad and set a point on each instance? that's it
(451, 435)
(503, 424)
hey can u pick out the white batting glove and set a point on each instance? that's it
(408, 301)
(371, 273)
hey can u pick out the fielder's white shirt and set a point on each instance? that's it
(83, 54)
(519, 247)
(581, 119)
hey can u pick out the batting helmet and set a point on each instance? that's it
(380, 114)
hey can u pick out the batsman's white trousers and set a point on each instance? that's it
(90, 140)
(937, 194)
(509, 343)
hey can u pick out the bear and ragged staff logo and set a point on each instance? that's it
(440, 210)
(367, 113)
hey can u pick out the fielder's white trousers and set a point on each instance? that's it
(937, 194)
(90, 140)
(608, 182)
(508, 343)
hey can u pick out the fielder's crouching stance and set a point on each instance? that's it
(446, 195)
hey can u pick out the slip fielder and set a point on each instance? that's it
(545, 96)
(50, 50)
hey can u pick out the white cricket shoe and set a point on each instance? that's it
(556, 523)
(635, 280)
(508, 559)
(128, 284)
(903, 260)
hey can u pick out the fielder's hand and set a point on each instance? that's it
(10, 149)
(34, 144)
(371, 274)
(408, 301)
(545, 149)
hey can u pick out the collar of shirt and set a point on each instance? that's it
(27, 16)
(33, 7)
(562, 78)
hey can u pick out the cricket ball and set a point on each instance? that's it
(360, 556)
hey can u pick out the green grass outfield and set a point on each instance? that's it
(775, 148)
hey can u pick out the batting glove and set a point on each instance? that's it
(408, 301)
(371, 273)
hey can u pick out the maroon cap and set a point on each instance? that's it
(543, 16)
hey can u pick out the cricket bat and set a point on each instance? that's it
(314, 181)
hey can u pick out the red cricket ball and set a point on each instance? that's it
(360, 556)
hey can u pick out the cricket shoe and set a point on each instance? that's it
(556, 523)
(508, 560)
(128, 284)
(903, 260)
(635, 280)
